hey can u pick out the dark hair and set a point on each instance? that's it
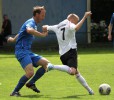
(37, 9)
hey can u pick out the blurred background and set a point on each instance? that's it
(93, 31)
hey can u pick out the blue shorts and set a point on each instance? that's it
(26, 57)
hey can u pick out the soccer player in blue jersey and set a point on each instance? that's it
(25, 56)
(111, 29)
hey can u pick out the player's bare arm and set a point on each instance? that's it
(109, 32)
(36, 33)
(12, 39)
(78, 26)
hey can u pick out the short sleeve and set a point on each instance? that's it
(52, 28)
(112, 19)
(29, 25)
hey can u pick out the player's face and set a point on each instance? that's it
(75, 20)
(41, 16)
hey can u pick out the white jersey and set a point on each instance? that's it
(65, 32)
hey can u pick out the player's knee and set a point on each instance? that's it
(44, 65)
(44, 62)
(30, 74)
(72, 71)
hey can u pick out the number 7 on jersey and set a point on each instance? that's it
(63, 29)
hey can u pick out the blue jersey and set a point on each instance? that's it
(112, 21)
(23, 51)
(24, 40)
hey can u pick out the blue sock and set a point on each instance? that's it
(39, 73)
(21, 83)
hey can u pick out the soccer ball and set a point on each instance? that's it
(104, 89)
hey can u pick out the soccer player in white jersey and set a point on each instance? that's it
(65, 32)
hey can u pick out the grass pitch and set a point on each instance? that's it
(96, 65)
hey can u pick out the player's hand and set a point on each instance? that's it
(44, 28)
(109, 37)
(10, 39)
(87, 14)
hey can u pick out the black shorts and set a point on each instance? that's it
(70, 58)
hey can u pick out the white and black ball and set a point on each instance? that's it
(104, 89)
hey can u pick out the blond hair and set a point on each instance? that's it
(70, 16)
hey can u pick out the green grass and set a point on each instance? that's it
(95, 64)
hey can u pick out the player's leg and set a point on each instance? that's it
(72, 62)
(26, 63)
(65, 68)
(68, 60)
(83, 82)
(38, 60)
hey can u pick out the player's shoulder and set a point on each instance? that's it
(67, 22)
(30, 22)
(113, 14)
(112, 18)
(63, 23)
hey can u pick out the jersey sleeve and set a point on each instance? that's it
(52, 28)
(112, 19)
(29, 25)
